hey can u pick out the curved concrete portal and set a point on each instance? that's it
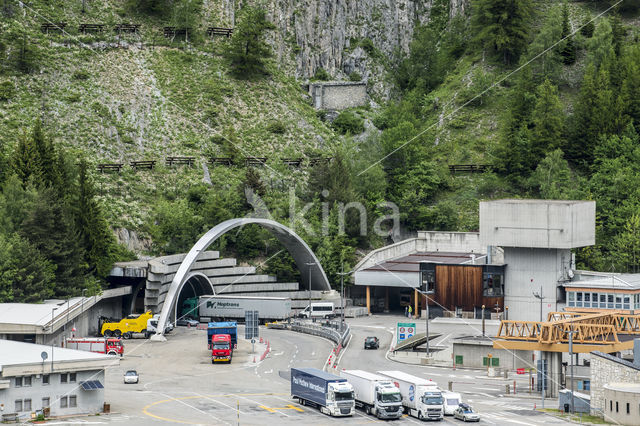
(298, 249)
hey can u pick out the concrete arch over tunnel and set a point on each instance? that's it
(296, 246)
(195, 284)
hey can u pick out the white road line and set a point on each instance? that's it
(235, 409)
(195, 408)
(443, 339)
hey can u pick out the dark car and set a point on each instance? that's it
(371, 342)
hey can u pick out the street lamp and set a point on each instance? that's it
(542, 364)
(82, 304)
(342, 274)
(52, 338)
(310, 264)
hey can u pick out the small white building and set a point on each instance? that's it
(35, 377)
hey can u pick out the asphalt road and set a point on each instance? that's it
(179, 385)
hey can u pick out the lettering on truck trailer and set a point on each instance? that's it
(306, 384)
(222, 305)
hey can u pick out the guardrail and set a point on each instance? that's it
(329, 330)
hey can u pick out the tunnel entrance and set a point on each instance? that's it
(197, 285)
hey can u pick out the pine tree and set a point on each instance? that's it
(25, 275)
(248, 50)
(567, 47)
(98, 240)
(502, 26)
(51, 230)
(588, 27)
(548, 122)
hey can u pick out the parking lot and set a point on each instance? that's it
(179, 385)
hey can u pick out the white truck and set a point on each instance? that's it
(223, 308)
(374, 393)
(421, 398)
(152, 326)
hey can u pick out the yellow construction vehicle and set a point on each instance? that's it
(127, 326)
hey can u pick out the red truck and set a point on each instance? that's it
(221, 348)
(101, 345)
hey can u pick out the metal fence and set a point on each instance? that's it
(327, 329)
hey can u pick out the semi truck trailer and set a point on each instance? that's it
(220, 308)
(375, 394)
(332, 394)
(421, 398)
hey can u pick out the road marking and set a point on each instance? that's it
(288, 407)
(144, 410)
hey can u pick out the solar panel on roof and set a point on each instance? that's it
(91, 385)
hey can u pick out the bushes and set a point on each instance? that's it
(322, 75)
(348, 123)
(6, 90)
(277, 127)
(355, 76)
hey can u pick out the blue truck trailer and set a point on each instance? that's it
(230, 328)
(332, 394)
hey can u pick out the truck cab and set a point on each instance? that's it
(431, 403)
(221, 348)
(340, 399)
(388, 403)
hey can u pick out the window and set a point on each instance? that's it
(594, 300)
(580, 385)
(72, 401)
(587, 385)
(72, 377)
(493, 284)
(45, 402)
(610, 405)
(572, 298)
(27, 405)
(18, 405)
(45, 379)
(616, 406)
(495, 362)
(63, 378)
(587, 300)
(628, 409)
(458, 359)
(603, 300)
(26, 381)
(18, 382)
(609, 301)
(626, 300)
(429, 281)
(618, 302)
(63, 402)
(579, 299)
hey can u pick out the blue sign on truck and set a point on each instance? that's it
(332, 394)
(230, 328)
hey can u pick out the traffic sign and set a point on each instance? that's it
(404, 330)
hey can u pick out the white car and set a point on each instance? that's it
(465, 412)
(131, 376)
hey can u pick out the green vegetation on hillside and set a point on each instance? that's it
(555, 115)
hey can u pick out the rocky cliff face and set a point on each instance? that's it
(343, 36)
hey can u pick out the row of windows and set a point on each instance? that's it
(25, 381)
(70, 401)
(618, 406)
(583, 299)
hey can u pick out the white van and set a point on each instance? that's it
(451, 402)
(319, 310)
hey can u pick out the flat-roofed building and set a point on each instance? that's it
(61, 381)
